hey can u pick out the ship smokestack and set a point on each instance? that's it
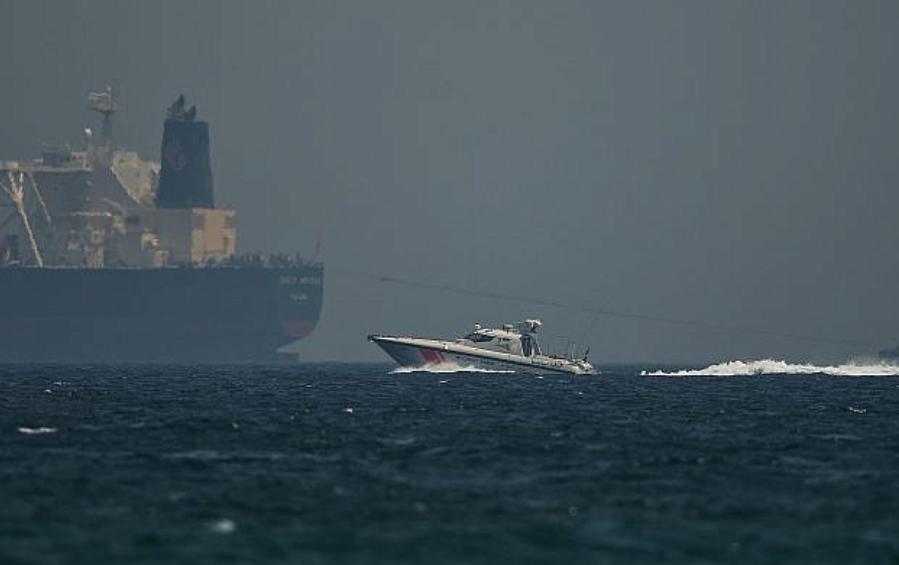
(185, 179)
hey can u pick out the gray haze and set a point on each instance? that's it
(731, 162)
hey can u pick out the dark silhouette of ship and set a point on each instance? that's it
(105, 257)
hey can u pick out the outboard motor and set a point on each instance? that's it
(185, 179)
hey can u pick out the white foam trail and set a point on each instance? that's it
(34, 431)
(774, 367)
(446, 367)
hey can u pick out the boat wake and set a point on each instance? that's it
(854, 368)
(446, 367)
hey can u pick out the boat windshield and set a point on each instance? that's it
(478, 338)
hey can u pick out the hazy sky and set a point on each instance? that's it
(729, 162)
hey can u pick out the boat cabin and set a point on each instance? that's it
(505, 341)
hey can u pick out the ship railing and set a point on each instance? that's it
(259, 260)
(39, 167)
(252, 260)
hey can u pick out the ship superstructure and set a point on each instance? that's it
(105, 256)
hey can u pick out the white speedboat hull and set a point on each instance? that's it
(418, 352)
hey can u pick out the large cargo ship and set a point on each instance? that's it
(105, 257)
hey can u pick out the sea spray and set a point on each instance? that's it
(446, 367)
(852, 368)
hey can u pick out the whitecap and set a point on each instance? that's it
(223, 526)
(775, 367)
(399, 441)
(35, 431)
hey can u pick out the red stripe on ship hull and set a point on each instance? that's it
(431, 357)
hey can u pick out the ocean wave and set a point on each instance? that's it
(446, 367)
(212, 455)
(775, 367)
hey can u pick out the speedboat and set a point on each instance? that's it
(513, 347)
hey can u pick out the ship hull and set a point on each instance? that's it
(169, 315)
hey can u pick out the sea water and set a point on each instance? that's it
(344, 463)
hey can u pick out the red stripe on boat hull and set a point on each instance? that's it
(431, 357)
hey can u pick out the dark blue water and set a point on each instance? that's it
(350, 464)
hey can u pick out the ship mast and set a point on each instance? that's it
(105, 104)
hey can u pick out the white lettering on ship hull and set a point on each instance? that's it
(291, 280)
